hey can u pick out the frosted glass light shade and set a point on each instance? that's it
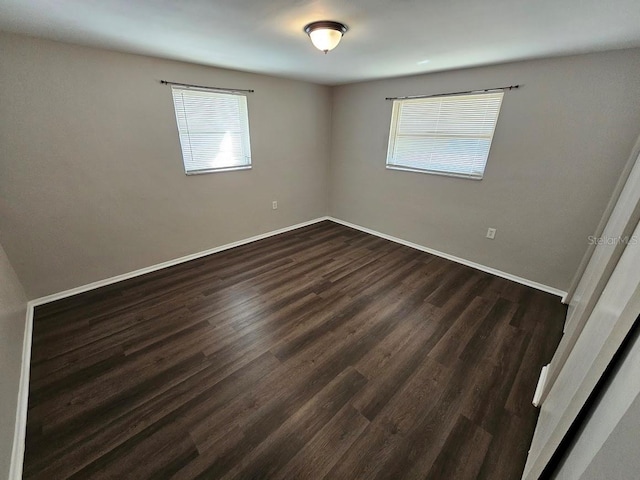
(325, 39)
(325, 35)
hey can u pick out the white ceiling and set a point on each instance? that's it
(386, 38)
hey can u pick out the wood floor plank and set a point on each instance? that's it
(450, 346)
(386, 381)
(323, 352)
(419, 395)
(265, 419)
(285, 442)
(193, 397)
(320, 453)
(462, 454)
(507, 451)
(486, 402)
(425, 439)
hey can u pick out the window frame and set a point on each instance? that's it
(245, 134)
(393, 136)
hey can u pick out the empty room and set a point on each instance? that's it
(319, 240)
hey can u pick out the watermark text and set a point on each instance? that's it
(626, 240)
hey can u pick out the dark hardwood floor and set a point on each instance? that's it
(319, 353)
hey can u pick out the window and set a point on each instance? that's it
(449, 135)
(213, 129)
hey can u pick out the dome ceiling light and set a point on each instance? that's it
(325, 34)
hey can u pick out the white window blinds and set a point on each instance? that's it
(443, 135)
(213, 129)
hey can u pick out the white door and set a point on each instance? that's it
(611, 319)
(622, 221)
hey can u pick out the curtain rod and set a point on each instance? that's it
(220, 89)
(510, 87)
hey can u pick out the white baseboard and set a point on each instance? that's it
(468, 263)
(169, 263)
(542, 380)
(20, 432)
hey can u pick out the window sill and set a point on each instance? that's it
(217, 170)
(434, 172)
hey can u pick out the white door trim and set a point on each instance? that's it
(608, 325)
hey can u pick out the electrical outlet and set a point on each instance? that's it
(274, 204)
(491, 233)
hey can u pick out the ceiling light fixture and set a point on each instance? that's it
(325, 34)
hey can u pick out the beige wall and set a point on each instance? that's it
(92, 183)
(13, 307)
(91, 179)
(560, 145)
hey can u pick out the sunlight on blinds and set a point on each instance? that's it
(213, 129)
(443, 135)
